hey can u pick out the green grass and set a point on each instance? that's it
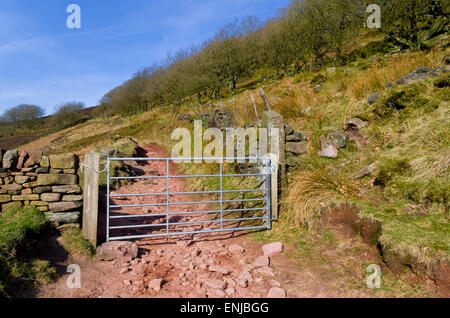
(18, 229)
(76, 244)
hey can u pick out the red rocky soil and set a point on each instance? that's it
(222, 265)
(204, 265)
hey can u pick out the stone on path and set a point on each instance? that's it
(262, 261)
(155, 284)
(117, 250)
(272, 249)
(216, 284)
(237, 249)
(219, 269)
(276, 292)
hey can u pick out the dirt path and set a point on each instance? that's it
(213, 265)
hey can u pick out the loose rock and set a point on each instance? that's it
(216, 284)
(117, 250)
(155, 284)
(262, 261)
(272, 249)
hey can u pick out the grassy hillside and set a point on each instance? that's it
(407, 137)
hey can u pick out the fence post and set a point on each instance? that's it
(266, 101)
(90, 200)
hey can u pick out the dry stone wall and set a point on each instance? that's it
(50, 183)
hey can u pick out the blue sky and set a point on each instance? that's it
(43, 62)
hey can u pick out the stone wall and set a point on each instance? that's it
(50, 183)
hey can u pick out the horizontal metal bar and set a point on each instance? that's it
(183, 223)
(189, 176)
(182, 213)
(184, 159)
(184, 193)
(183, 203)
(187, 233)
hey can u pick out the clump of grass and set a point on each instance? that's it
(76, 244)
(312, 188)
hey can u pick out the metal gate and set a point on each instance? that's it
(218, 216)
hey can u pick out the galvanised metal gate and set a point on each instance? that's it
(219, 218)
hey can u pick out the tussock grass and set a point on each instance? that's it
(312, 189)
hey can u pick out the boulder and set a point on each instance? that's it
(329, 152)
(297, 148)
(64, 218)
(34, 158)
(372, 99)
(63, 206)
(117, 250)
(57, 179)
(272, 249)
(10, 159)
(337, 139)
(419, 74)
(64, 161)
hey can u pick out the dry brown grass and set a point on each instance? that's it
(374, 79)
(312, 189)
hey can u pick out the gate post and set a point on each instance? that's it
(274, 166)
(90, 193)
